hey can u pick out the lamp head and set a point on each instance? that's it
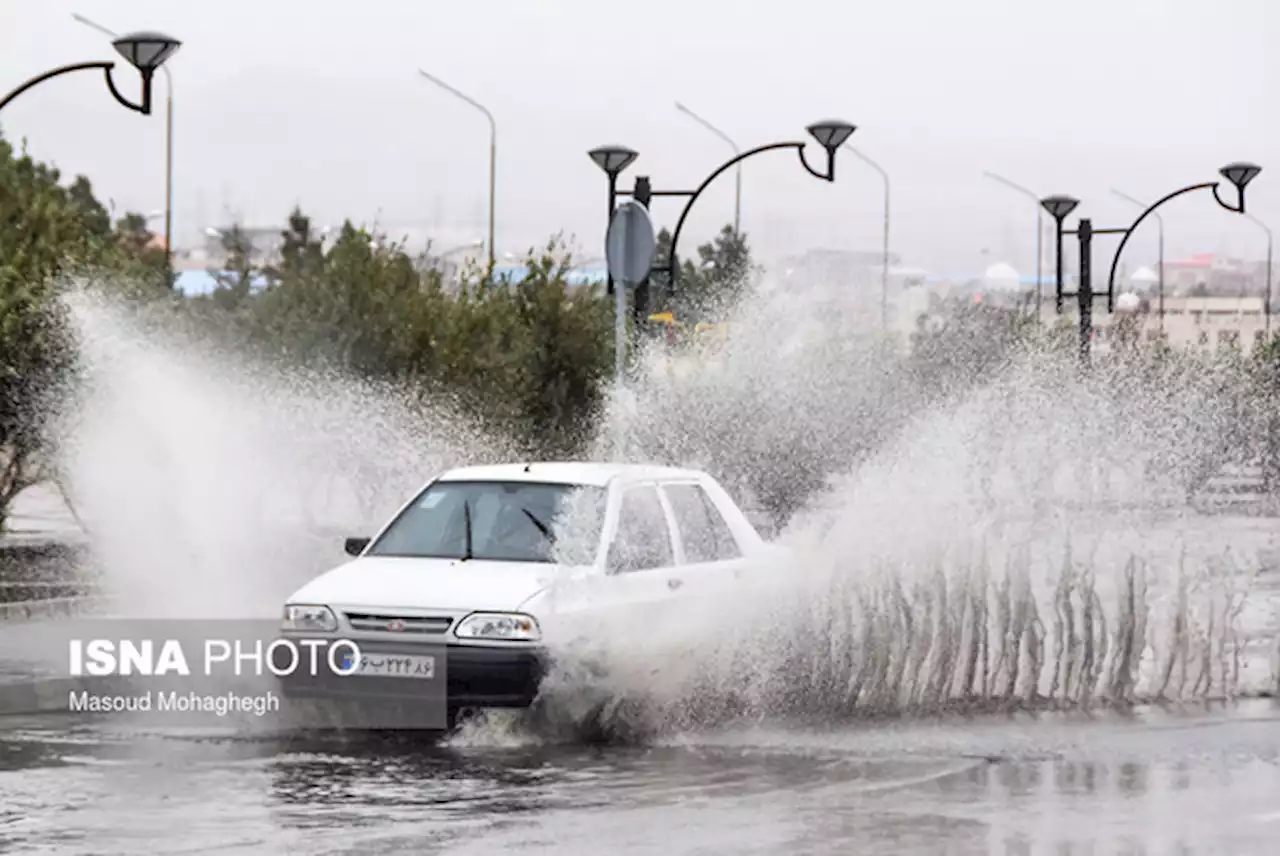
(613, 159)
(831, 133)
(1059, 206)
(1240, 173)
(146, 51)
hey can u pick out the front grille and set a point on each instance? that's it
(398, 623)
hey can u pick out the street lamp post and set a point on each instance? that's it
(145, 51)
(1058, 207)
(613, 160)
(884, 261)
(737, 191)
(1266, 309)
(1034, 197)
(493, 152)
(168, 143)
(1239, 174)
(1160, 257)
(830, 134)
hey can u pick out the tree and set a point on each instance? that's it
(707, 289)
(301, 252)
(566, 354)
(239, 270)
(525, 358)
(47, 231)
(143, 267)
(718, 280)
(93, 215)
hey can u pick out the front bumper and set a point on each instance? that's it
(473, 676)
(493, 677)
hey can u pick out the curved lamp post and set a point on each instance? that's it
(1160, 258)
(884, 261)
(168, 142)
(493, 150)
(1239, 174)
(145, 51)
(1034, 197)
(830, 134)
(737, 190)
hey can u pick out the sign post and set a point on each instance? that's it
(629, 248)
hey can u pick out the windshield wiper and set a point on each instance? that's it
(466, 521)
(542, 527)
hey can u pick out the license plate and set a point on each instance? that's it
(421, 666)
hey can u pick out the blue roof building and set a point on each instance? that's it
(587, 275)
(201, 283)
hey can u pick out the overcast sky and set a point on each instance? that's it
(318, 102)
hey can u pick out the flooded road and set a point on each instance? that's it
(1197, 781)
(1203, 779)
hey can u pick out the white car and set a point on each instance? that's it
(472, 567)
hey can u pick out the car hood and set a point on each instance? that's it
(448, 584)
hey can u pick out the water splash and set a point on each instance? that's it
(1012, 540)
(213, 485)
(1021, 541)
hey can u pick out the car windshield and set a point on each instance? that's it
(498, 521)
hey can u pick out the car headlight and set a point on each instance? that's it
(512, 626)
(308, 617)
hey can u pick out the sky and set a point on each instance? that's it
(318, 103)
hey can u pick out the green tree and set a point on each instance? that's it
(142, 267)
(134, 236)
(525, 358)
(93, 215)
(301, 251)
(563, 335)
(344, 308)
(712, 285)
(708, 288)
(47, 232)
(238, 273)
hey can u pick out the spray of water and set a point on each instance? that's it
(213, 486)
(1021, 541)
(1008, 541)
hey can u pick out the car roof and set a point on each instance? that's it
(568, 472)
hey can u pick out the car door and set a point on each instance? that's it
(640, 564)
(708, 556)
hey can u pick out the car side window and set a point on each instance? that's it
(703, 530)
(643, 541)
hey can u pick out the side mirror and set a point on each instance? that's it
(355, 546)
